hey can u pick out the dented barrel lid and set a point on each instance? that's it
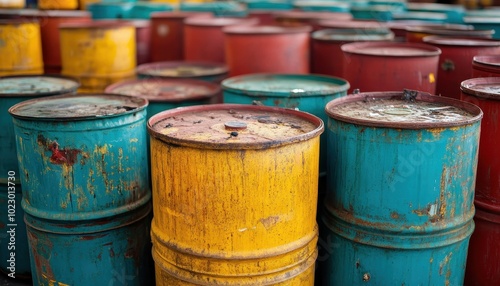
(489, 60)
(166, 90)
(286, 85)
(408, 109)
(233, 126)
(484, 87)
(182, 69)
(32, 85)
(77, 107)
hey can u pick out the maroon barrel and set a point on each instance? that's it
(301, 18)
(486, 66)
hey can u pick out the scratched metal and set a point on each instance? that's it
(400, 193)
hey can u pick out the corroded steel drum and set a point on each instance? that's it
(416, 34)
(402, 169)
(287, 49)
(207, 71)
(486, 66)
(242, 209)
(86, 198)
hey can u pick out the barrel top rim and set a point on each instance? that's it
(18, 21)
(219, 22)
(467, 87)
(266, 30)
(319, 3)
(460, 41)
(426, 50)
(178, 14)
(145, 69)
(200, 144)
(419, 14)
(62, 91)
(475, 111)
(104, 24)
(487, 60)
(416, 5)
(482, 19)
(352, 34)
(309, 15)
(450, 31)
(359, 24)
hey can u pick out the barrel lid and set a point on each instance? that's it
(18, 21)
(37, 85)
(137, 23)
(358, 24)
(233, 126)
(64, 13)
(493, 60)
(219, 22)
(320, 3)
(103, 24)
(451, 31)
(312, 16)
(452, 41)
(434, 7)
(182, 69)
(178, 14)
(285, 85)
(391, 49)
(403, 110)
(166, 90)
(266, 30)
(77, 107)
(405, 24)
(484, 87)
(481, 20)
(435, 16)
(344, 35)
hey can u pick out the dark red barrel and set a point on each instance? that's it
(142, 40)
(418, 33)
(399, 27)
(267, 49)
(167, 34)
(455, 62)
(301, 18)
(486, 66)
(483, 261)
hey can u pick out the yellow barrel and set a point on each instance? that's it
(234, 195)
(98, 53)
(58, 4)
(20, 47)
(12, 3)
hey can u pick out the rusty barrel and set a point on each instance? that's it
(204, 38)
(98, 53)
(83, 166)
(416, 34)
(455, 61)
(167, 35)
(308, 18)
(484, 252)
(486, 66)
(399, 207)
(287, 49)
(379, 66)
(207, 71)
(242, 209)
(326, 56)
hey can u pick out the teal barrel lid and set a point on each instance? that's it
(391, 49)
(408, 109)
(342, 35)
(166, 90)
(484, 87)
(182, 69)
(268, 4)
(30, 85)
(483, 20)
(332, 6)
(77, 107)
(285, 85)
(423, 16)
(115, 10)
(143, 9)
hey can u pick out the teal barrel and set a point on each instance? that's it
(381, 13)
(218, 8)
(83, 166)
(111, 10)
(266, 5)
(327, 6)
(143, 9)
(206, 71)
(400, 190)
(424, 17)
(454, 12)
(486, 22)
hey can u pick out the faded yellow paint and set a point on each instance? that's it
(12, 4)
(58, 4)
(252, 212)
(22, 43)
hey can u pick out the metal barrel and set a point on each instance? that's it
(58, 4)
(83, 165)
(454, 13)
(486, 22)
(483, 261)
(242, 209)
(401, 175)
(379, 66)
(207, 71)
(22, 43)
(98, 53)
(300, 18)
(244, 52)
(455, 62)
(327, 6)
(416, 34)
(486, 66)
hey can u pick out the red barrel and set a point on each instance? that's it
(204, 38)
(353, 24)
(380, 66)
(399, 27)
(486, 66)
(301, 18)
(416, 34)
(167, 34)
(267, 49)
(455, 62)
(142, 40)
(483, 262)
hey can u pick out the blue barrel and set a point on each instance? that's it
(267, 5)
(400, 188)
(83, 166)
(112, 10)
(206, 71)
(143, 9)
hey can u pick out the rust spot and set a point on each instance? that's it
(269, 221)
(395, 215)
(91, 237)
(59, 156)
(111, 252)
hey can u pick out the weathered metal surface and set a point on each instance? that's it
(207, 71)
(244, 52)
(455, 61)
(204, 39)
(326, 56)
(15, 89)
(399, 208)
(379, 66)
(399, 27)
(378, 12)
(486, 23)
(431, 17)
(416, 34)
(20, 39)
(250, 214)
(486, 66)
(113, 10)
(301, 18)
(454, 13)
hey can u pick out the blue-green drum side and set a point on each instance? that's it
(20, 243)
(143, 10)
(485, 23)
(110, 10)
(104, 166)
(220, 9)
(268, 5)
(94, 253)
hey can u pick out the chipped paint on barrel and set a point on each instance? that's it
(309, 93)
(20, 39)
(206, 71)
(379, 66)
(486, 66)
(245, 55)
(13, 90)
(242, 209)
(401, 175)
(83, 166)
(484, 252)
